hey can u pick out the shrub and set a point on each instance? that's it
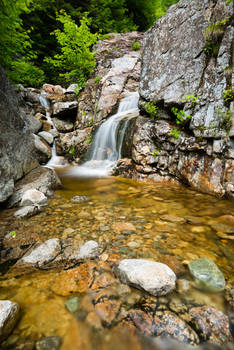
(175, 133)
(27, 74)
(181, 116)
(136, 46)
(151, 109)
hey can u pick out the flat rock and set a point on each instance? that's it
(78, 199)
(153, 277)
(63, 125)
(207, 275)
(9, 313)
(43, 254)
(27, 211)
(33, 197)
(212, 324)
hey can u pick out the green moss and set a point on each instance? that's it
(151, 109)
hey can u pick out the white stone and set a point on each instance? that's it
(26, 211)
(9, 313)
(71, 89)
(47, 136)
(60, 107)
(153, 277)
(43, 254)
(33, 197)
(88, 250)
(41, 146)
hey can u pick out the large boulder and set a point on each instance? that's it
(187, 66)
(17, 155)
(9, 314)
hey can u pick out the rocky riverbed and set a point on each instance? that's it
(69, 268)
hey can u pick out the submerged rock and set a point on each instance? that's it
(72, 304)
(49, 343)
(79, 199)
(211, 324)
(89, 250)
(207, 275)
(153, 277)
(9, 313)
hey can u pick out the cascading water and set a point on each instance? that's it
(107, 145)
(55, 161)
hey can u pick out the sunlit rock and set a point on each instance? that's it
(153, 277)
(9, 313)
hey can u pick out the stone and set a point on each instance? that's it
(211, 324)
(9, 314)
(79, 199)
(153, 277)
(33, 197)
(207, 275)
(43, 149)
(43, 254)
(27, 211)
(58, 90)
(61, 108)
(47, 136)
(108, 311)
(89, 250)
(42, 179)
(72, 304)
(15, 135)
(49, 343)
(71, 89)
(63, 125)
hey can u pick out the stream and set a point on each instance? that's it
(157, 221)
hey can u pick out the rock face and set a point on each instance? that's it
(207, 275)
(17, 156)
(187, 64)
(153, 277)
(9, 313)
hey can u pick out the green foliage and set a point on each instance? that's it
(155, 153)
(190, 98)
(228, 95)
(26, 73)
(181, 116)
(136, 46)
(213, 35)
(97, 80)
(175, 133)
(110, 16)
(75, 60)
(226, 119)
(151, 109)
(13, 233)
(228, 2)
(88, 140)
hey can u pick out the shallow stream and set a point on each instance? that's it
(161, 222)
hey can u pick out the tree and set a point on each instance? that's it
(75, 61)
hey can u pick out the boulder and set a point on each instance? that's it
(42, 179)
(47, 136)
(17, 148)
(9, 314)
(33, 197)
(43, 149)
(89, 250)
(153, 277)
(207, 275)
(63, 125)
(49, 343)
(64, 108)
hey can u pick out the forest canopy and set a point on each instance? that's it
(35, 34)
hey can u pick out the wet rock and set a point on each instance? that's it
(79, 199)
(42, 179)
(32, 198)
(172, 218)
(89, 250)
(207, 275)
(143, 322)
(211, 324)
(71, 89)
(72, 304)
(49, 343)
(43, 149)
(43, 254)
(27, 211)
(108, 310)
(9, 314)
(94, 321)
(63, 125)
(47, 136)
(153, 277)
(104, 280)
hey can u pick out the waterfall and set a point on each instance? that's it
(55, 161)
(108, 141)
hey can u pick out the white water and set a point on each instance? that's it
(107, 145)
(55, 161)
